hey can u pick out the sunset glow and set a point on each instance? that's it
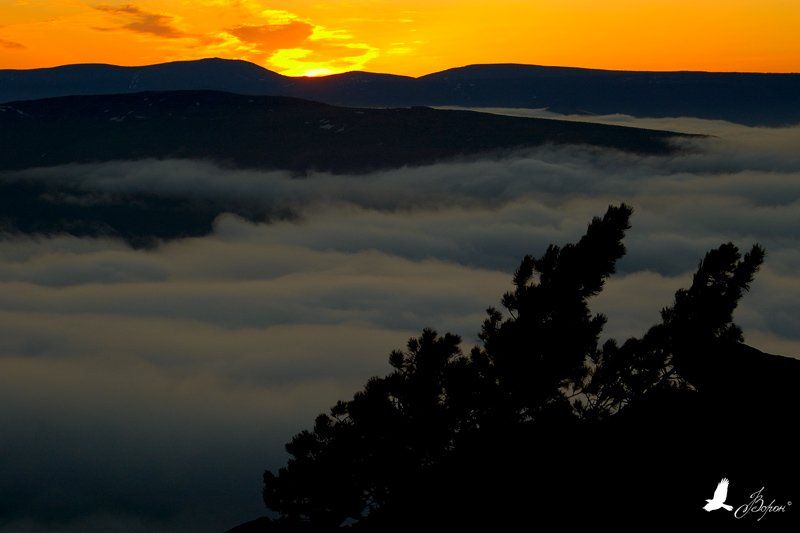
(312, 38)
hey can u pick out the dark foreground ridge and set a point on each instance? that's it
(261, 132)
(755, 99)
(541, 427)
(270, 132)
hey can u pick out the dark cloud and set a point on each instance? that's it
(11, 45)
(145, 390)
(141, 21)
(271, 37)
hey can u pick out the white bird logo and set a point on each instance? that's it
(718, 501)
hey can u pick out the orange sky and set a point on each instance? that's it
(312, 37)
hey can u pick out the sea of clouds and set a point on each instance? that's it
(146, 390)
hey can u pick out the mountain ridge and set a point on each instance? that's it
(746, 98)
(381, 73)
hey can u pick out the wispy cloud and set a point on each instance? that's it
(140, 21)
(11, 45)
(298, 46)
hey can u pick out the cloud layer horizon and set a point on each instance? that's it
(146, 390)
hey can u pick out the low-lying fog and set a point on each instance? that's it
(146, 390)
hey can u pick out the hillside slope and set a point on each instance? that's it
(276, 132)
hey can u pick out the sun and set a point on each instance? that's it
(316, 72)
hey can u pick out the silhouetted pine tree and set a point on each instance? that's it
(699, 323)
(538, 365)
(529, 359)
(355, 456)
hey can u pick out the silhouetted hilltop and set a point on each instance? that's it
(88, 79)
(277, 133)
(757, 99)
